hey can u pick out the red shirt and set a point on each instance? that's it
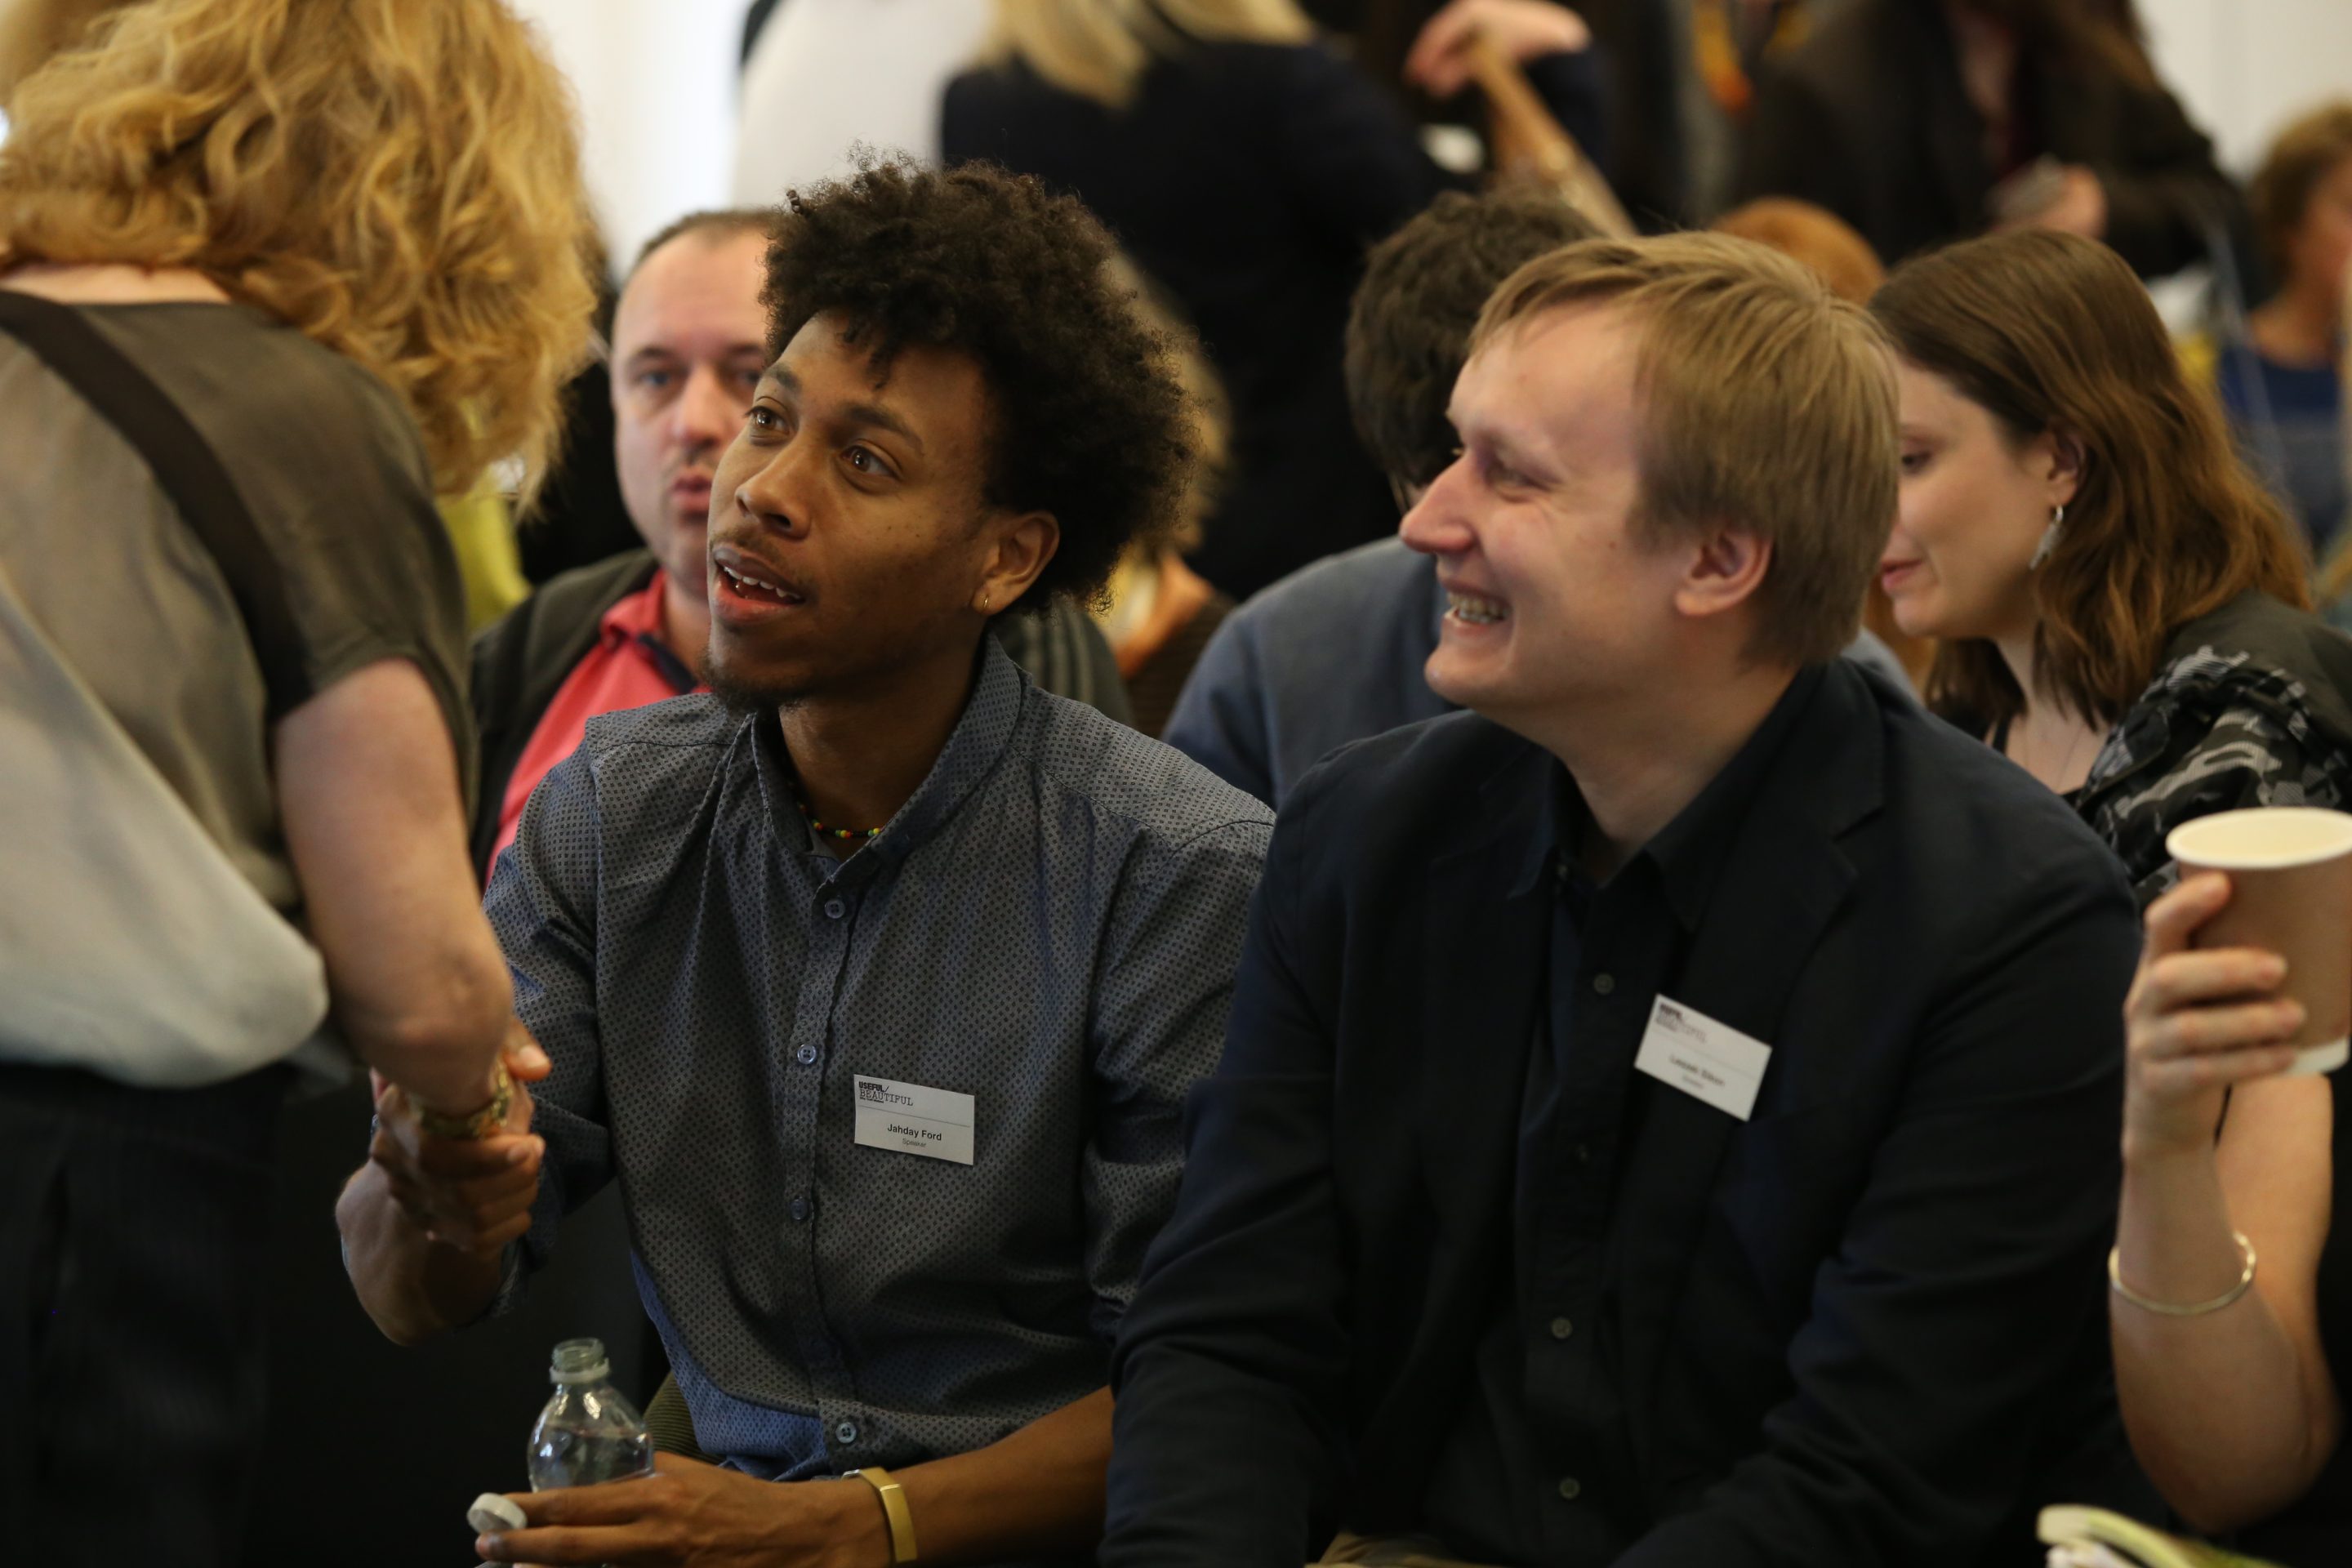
(629, 667)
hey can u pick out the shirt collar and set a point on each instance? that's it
(975, 745)
(1688, 853)
(633, 613)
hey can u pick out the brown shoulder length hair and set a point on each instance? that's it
(2054, 334)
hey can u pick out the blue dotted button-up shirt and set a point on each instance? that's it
(1049, 925)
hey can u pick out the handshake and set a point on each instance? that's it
(472, 1194)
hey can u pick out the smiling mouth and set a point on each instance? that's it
(1474, 610)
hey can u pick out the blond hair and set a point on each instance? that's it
(33, 31)
(397, 179)
(1765, 401)
(1100, 48)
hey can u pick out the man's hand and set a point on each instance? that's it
(1438, 61)
(473, 1195)
(692, 1515)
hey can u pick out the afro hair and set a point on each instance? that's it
(1088, 417)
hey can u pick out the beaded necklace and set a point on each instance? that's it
(822, 831)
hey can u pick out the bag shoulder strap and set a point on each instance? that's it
(186, 466)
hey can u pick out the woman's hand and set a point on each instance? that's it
(2195, 1022)
(2075, 202)
(1438, 61)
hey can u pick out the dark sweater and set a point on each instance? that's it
(1868, 119)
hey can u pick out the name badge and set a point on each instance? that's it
(1709, 1061)
(933, 1122)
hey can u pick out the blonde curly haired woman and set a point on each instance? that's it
(342, 239)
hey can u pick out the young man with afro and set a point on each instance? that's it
(877, 976)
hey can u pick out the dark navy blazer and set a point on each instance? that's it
(1864, 1326)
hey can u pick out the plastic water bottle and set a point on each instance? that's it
(588, 1432)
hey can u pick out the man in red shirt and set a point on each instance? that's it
(690, 342)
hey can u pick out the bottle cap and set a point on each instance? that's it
(580, 1361)
(491, 1513)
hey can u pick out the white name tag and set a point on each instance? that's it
(1711, 1061)
(933, 1122)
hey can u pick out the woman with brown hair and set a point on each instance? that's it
(2122, 612)
(2121, 608)
(323, 256)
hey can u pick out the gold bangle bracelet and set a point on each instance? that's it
(894, 1510)
(2169, 1309)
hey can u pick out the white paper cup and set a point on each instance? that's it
(2290, 870)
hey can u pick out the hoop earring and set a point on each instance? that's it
(2049, 546)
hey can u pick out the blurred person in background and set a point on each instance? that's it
(1247, 168)
(1921, 121)
(1814, 235)
(688, 343)
(2121, 608)
(1828, 244)
(1157, 614)
(2236, 1241)
(1334, 652)
(343, 241)
(2281, 383)
(1678, 84)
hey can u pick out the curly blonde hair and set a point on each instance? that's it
(397, 179)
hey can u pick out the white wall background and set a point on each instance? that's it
(656, 85)
(2244, 67)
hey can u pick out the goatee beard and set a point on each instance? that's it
(743, 696)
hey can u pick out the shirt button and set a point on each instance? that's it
(1569, 1488)
(806, 1054)
(799, 1208)
(835, 909)
(1604, 984)
(846, 1433)
(1584, 1153)
(1561, 1328)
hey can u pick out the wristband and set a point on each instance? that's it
(476, 1124)
(894, 1509)
(2169, 1309)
